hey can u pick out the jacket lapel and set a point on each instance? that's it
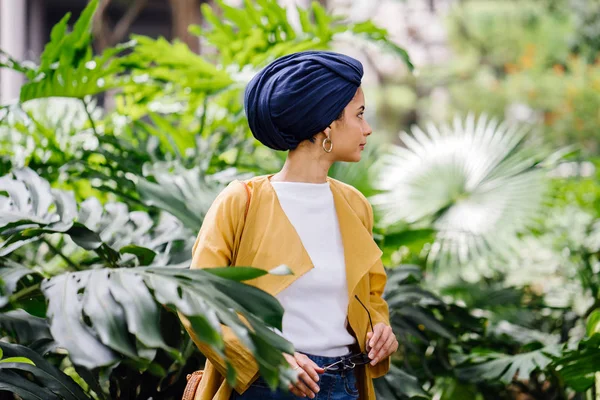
(360, 250)
(283, 245)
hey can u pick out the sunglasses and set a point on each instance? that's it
(354, 360)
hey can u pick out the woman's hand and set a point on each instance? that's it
(381, 343)
(308, 375)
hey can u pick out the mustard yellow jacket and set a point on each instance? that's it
(270, 240)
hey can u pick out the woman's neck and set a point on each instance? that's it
(304, 166)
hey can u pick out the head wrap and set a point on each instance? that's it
(299, 95)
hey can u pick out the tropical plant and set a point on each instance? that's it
(30, 376)
(536, 61)
(475, 183)
(109, 304)
(426, 328)
(99, 208)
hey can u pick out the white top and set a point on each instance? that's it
(316, 304)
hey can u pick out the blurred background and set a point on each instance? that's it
(120, 121)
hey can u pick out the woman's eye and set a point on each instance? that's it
(360, 115)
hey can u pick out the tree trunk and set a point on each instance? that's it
(183, 14)
(107, 36)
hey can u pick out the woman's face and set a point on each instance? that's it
(349, 134)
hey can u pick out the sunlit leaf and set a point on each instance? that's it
(476, 182)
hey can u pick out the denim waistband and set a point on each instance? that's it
(322, 360)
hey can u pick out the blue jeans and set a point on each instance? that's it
(332, 386)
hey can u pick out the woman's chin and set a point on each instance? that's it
(351, 157)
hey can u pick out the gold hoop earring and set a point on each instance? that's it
(325, 142)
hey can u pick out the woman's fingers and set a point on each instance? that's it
(369, 336)
(387, 349)
(382, 342)
(308, 374)
(295, 391)
(374, 338)
(380, 336)
(299, 388)
(311, 368)
(303, 388)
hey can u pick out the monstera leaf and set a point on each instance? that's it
(24, 327)
(426, 327)
(104, 314)
(46, 133)
(491, 366)
(415, 312)
(186, 194)
(399, 385)
(475, 182)
(32, 209)
(28, 375)
(11, 273)
(579, 366)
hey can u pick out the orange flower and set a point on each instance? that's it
(532, 94)
(511, 68)
(549, 118)
(527, 61)
(558, 69)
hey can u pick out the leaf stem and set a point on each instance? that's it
(23, 292)
(85, 107)
(203, 118)
(61, 255)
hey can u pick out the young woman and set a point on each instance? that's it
(310, 104)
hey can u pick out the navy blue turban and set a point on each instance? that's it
(299, 95)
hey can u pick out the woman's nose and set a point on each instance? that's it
(368, 131)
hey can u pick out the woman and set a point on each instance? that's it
(310, 104)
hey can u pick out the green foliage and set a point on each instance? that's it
(397, 384)
(427, 328)
(536, 62)
(587, 42)
(99, 208)
(451, 178)
(494, 367)
(30, 376)
(24, 327)
(260, 31)
(579, 366)
(68, 67)
(103, 314)
(503, 32)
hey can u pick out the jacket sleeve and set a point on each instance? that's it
(378, 306)
(214, 247)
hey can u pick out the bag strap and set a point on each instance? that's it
(248, 199)
(249, 196)
(193, 381)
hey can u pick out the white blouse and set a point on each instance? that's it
(316, 304)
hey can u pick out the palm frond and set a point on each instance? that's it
(475, 182)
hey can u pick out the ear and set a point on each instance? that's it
(327, 131)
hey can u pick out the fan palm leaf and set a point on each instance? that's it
(475, 182)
